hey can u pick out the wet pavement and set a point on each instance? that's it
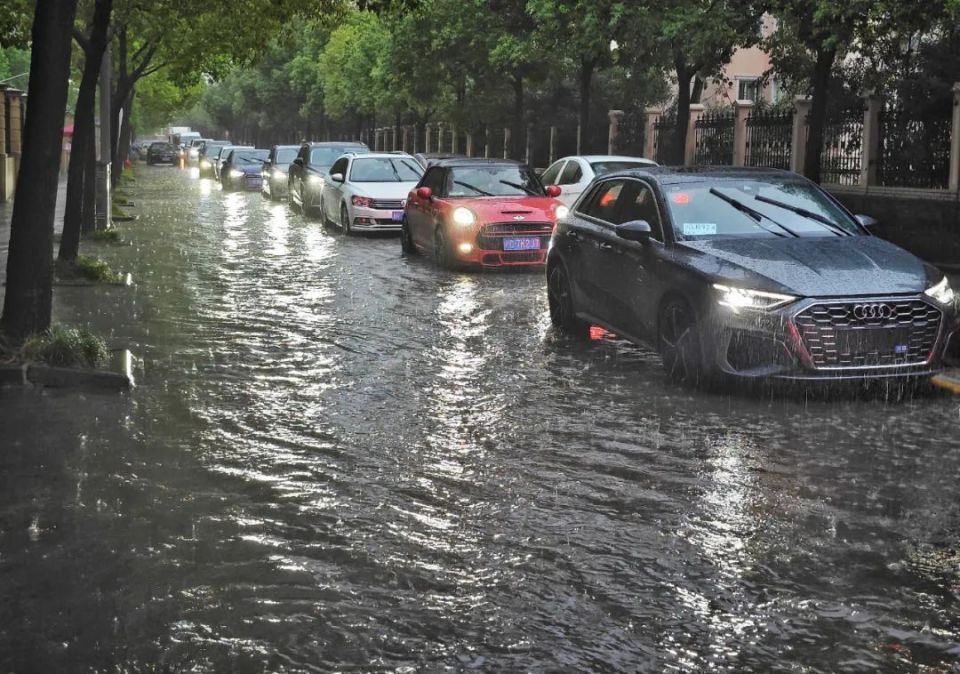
(338, 458)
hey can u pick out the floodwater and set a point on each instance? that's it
(338, 458)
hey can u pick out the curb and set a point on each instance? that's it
(118, 377)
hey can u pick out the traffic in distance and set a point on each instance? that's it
(729, 273)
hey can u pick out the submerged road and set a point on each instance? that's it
(338, 458)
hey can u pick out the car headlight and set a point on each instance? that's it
(739, 299)
(277, 173)
(562, 212)
(234, 173)
(205, 164)
(942, 292)
(464, 217)
(317, 181)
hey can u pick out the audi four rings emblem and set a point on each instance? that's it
(868, 311)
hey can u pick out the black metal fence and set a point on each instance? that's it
(914, 152)
(770, 138)
(663, 130)
(714, 138)
(840, 158)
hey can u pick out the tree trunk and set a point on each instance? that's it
(89, 220)
(83, 130)
(29, 295)
(586, 79)
(678, 151)
(516, 141)
(126, 132)
(818, 112)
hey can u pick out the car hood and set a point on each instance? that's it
(393, 191)
(508, 209)
(250, 168)
(814, 266)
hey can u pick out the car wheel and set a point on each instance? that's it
(441, 250)
(296, 204)
(324, 218)
(345, 220)
(406, 239)
(678, 337)
(560, 299)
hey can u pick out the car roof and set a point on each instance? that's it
(343, 143)
(286, 147)
(477, 161)
(674, 175)
(609, 157)
(379, 155)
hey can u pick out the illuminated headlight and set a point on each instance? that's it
(234, 173)
(316, 181)
(753, 300)
(277, 173)
(205, 164)
(464, 217)
(562, 212)
(942, 292)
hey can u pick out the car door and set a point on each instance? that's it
(633, 273)
(333, 191)
(421, 214)
(571, 182)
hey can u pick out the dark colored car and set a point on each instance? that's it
(161, 153)
(481, 213)
(748, 273)
(275, 171)
(308, 172)
(209, 153)
(428, 159)
(243, 169)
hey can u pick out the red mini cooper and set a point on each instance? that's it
(481, 213)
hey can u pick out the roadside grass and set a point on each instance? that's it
(66, 347)
(89, 269)
(118, 212)
(105, 236)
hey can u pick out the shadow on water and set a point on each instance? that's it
(342, 458)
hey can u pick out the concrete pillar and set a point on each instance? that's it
(506, 143)
(870, 148)
(613, 130)
(416, 138)
(454, 140)
(428, 128)
(15, 122)
(486, 143)
(650, 117)
(3, 119)
(955, 141)
(798, 143)
(528, 154)
(469, 144)
(741, 110)
(690, 151)
(406, 139)
(554, 141)
(440, 130)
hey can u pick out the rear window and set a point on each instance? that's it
(602, 168)
(161, 147)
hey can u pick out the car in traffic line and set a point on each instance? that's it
(481, 213)
(365, 192)
(275, 171)
(161, 153)
(243, 170)
(209, 153)
(428, 159)
(308, 172)
(574, 174)
(194, 148)
(222, 159)
(747, 273)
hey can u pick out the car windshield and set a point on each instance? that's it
(386, 170)
(754, 209)
(506, 180)
(162, 147)
(286, 156)
(602, 168)
(325, 156)
(247, 157)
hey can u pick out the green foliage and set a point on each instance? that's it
(105, 236)
(66, 347)
(15, 67)
(89, 269)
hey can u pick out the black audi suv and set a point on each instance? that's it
(749, 273)
(307, 172)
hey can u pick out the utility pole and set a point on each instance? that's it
(104, 215)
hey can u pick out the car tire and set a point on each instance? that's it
(678, 340)
(560, 299)
(441, 250)
(294, 206)
(406, 239)
(324, 218)
(345, 220)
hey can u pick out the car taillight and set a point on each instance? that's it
(363, 202)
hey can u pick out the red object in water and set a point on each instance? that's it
(127, 163)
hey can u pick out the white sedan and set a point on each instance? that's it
(574, 174)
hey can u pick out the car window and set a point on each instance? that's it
(285, 156)
(434, 180)
(551, 175)
(492, 180)
(322, 157)
(572, 173)
(602, 168)
(385, 170)
(248, 157)
(339, 166)
(639, 202)
(602, 204)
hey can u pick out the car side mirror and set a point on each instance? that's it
(337, 177)
(553, 191)
(866, 221)
(635, 230)
(424, 193)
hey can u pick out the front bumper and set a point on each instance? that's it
(275, 186)
(375, 220)
(484, 246)
(782, 345)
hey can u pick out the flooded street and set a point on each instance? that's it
(339, 458)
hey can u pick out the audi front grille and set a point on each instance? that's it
(869, 333)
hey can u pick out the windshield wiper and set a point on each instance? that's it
(816, 217)
(520, 187)
(756, 215)
(471, 187)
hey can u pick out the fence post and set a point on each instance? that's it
(454, 140)
(469, 144)
(506, 143)
(870, 149)
(486, 142)
(528, 154)
(798, 142)
(15, 124)
(741, 111)
(613, 130)
(955, 141)
(440, 140)
(3, 120)
(690, 151)
(553, 145)
(405, 138)
(650, 132)
(427, 136)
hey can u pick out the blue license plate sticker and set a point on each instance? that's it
(397, 216)
(525, 243)
(699, 228)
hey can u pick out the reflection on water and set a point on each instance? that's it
(340, 458)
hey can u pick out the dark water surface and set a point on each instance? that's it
(341, 459)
